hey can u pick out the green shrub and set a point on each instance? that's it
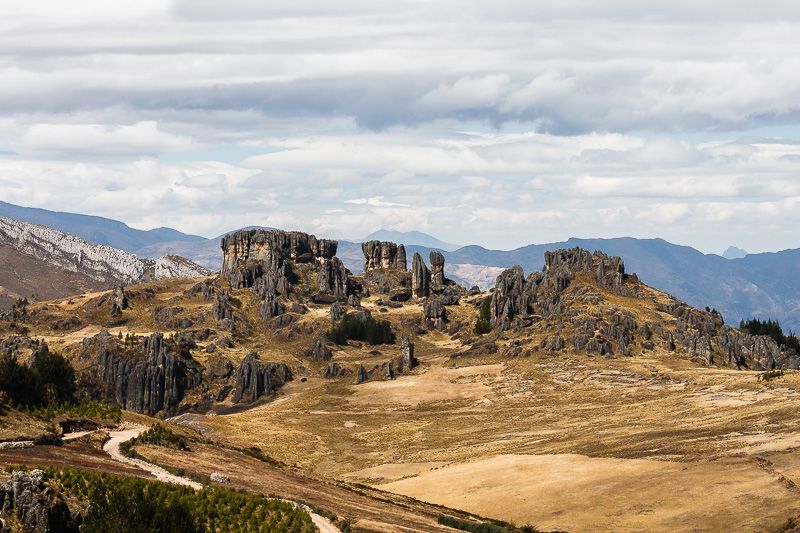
(130, 504)
(769, 375)
(107, 413)
(49, 379)
(483, 527)
(484, 324)
(368, 330)
(159, 435)
(772, 328)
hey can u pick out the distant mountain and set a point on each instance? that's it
(97, 229)
(410, 238)
(45, 262)
(732, 252)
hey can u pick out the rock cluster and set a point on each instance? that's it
(269, 262)
(435, 313)
(383, 255)
(119, 302)
(27, 503)
(255, 378)
(320, 351)
(402, 363)
(152, 381)
(584, 325)
(223, 307)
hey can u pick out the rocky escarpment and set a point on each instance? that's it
(97, 261)
(383, 255)
(569, 301)
(151, 380)
(28, 504)
(279, 265)
(255, 378)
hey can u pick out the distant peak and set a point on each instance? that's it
(410, 238)
(732, 252)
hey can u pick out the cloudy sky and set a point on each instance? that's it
(498, 123)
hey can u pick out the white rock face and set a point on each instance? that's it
(480, 275)
(97, 261)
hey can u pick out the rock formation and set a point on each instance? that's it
(320, 351)
(437, 271)
(409, 361)
(154, 380)
(435, 313)
(420, 277)
(255, 378)
(223, 307)
(30, 505)
(586, 321)
(271, 262)
(383, 255)
(119, 301)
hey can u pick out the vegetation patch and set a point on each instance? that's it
(159, 435)
(771, 328)
(369, 330)
(483, 527)
(124, 503)
(483, 324)
(770, 375)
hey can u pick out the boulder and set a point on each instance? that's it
(255, 378)
(435, 314)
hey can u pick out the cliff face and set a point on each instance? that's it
(96, 261)
(587, 303)
(279, 265)
(153, 381)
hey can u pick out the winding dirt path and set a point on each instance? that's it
(111, 447)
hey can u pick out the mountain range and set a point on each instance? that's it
(764, 285)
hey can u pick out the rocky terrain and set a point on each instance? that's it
(403, 380)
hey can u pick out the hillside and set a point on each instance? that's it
(585, 377)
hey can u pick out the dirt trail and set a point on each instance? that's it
(123, 435)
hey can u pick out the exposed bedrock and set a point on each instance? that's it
(255, 378)
(383, 255)
(420, 277)
(151, 381)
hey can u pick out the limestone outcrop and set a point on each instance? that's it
(28, 504)
(438, 280)
(272, 262)
(420, 277)
(151, 381)
(383, 255)
(435, 313)
(255, 378)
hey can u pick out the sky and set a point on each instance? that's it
(497, 123)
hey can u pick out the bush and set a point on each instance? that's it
(483, 527)
(49, 378)
(159, 435)
(484, 322)
(769, 375)
(368, 330)
(123, 503)
(109, 413)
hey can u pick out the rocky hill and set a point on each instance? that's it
(96, 261)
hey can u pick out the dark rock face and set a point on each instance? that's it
(154, 381)
(438, 280)
(319, 351)
(169, 317)
(269, 263)
(361, 375)
(420, 277)
(407, 354)
(119, 302)
(337, 312)
(510, 298)
(223, 308)
(271, 248)
(435, 314)
(204, 289)
(37, 508)
(335, 370)
(383, 255)
(255, 378)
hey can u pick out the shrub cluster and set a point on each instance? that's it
(772, 328)
(368, 330)
(124, 503)
(484, 324)
(483, 527)
(48, 379)
(162, 436)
